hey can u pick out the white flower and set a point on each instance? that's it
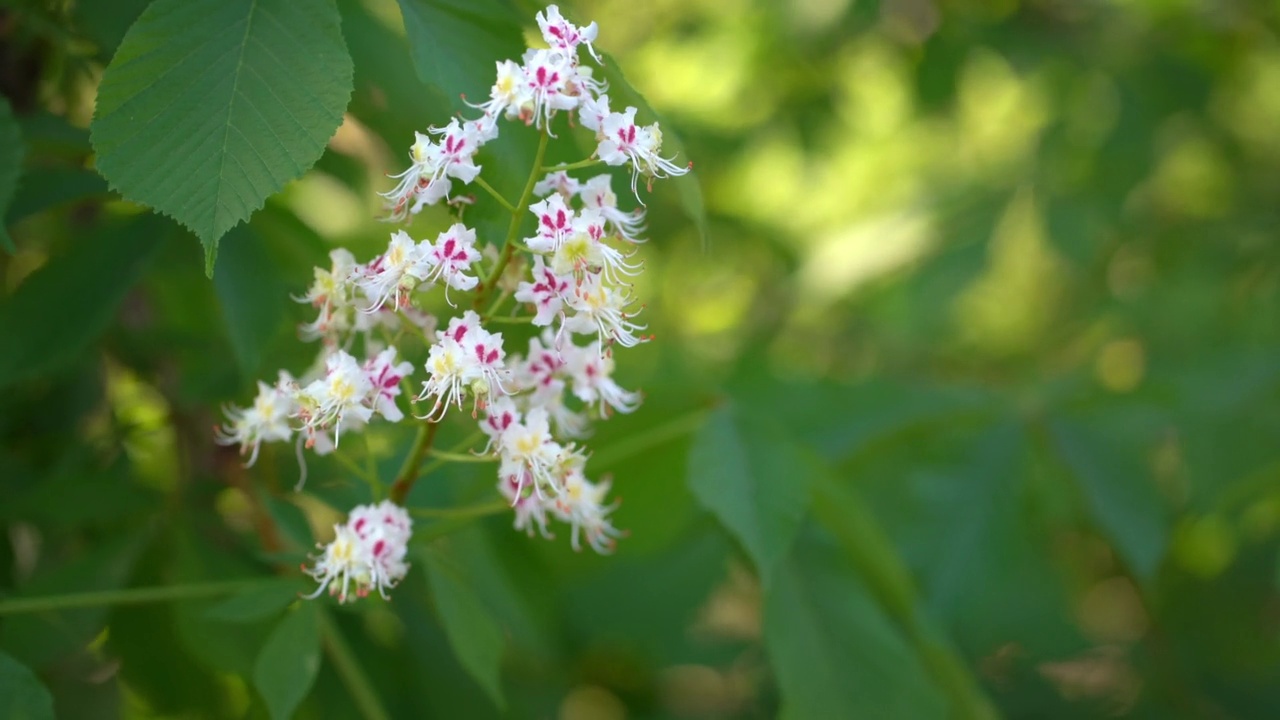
(451, 256)
(449, 368)
(529, 453)
(452, 156)
(592, 372)
(592, 113)
(338, 397)
(530, 509)
(555, 223)
(601, 309)
(500, 415)
(586, 251)
(393, 274)
(384, 377)
(331, 291)
(564, 36)
(341, 566)
(546, 292)
(582, 506)
(557, 182)
(622, 141)
(266, 420)
(415, 182)
(509, 96)
(367, 552)
(546, 75)
(467, 357)
(597, 194)
(550, 397)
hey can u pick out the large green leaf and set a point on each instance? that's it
(288, 663)
(210, 106)
(455, 44)
(252, 295)
(82, 289)
(473, 632)
(22, 697)
(833, 651)
(11, 152)
(754, 481)
(1120, 493)
(961, 507)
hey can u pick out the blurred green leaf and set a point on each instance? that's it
(257, 603)
(41, 639)
(961, 508)
(455, 44)
(48, 187)
(82, 289)
(107, 22)
(1120, 493)
(834, 652)
(474, 634)
(22, 697)
(753, 480)
(289, 661)
(261, 85)
(155, 663)
(11, 153)
(688, 186)
(252, 296)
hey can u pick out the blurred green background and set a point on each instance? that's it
(986, 318)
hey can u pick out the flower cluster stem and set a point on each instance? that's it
(508, 246)
(408, 474)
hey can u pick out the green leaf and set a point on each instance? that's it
(753, 480)
(22, 697)
(252, 296)
(833, 651)
(288, 663)
(689, 188)
(210, 106)
(39, 639)
(1119, 492)
(48, 187)
(256, 603)
(11, 152)
(476, 638)
(455, 44)
(953, 500)
(82, 289)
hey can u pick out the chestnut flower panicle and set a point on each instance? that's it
(572, 277)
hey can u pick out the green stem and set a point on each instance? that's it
(408, 474)
(471, 440)
(452, 520)
(497, 304)
(371, 463)
(572, 166)
(508, 246)
(462, 513)
(126, 596)
(496, 195)
(516, 319)
(354, 468)
(462, 457)
(344, 662)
